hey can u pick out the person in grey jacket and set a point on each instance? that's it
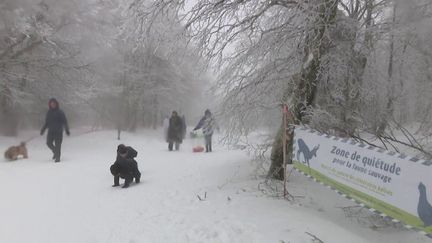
(55, 122)
(207, 123)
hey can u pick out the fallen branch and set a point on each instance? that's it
(315, 239)
(202, 199)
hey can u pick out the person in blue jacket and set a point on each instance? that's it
(55, 122)
(207, 124)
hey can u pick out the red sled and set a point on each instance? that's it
(197, 149)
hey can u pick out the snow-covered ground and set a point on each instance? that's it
(73, 201)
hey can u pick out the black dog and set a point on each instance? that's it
(125, 166)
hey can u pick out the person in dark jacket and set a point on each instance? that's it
(56, 122)
(175, 131)
(207, 123)
(125, 166)
(131, 153)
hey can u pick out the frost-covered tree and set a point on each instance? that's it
(40, 57)
(269, 53)
(332, 61)
(161, 71)
(99, 58)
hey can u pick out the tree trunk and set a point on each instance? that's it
(389, 106)
(305, 92)
(118, 132)
(8, 116)
(155, 112)
(133, 116)
(276, 170)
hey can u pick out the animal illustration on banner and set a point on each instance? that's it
(424, 209)
(307, 153)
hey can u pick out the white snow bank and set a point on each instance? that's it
(73, 201)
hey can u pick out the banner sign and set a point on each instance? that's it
(394, 184)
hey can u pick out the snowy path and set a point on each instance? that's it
(73, 201)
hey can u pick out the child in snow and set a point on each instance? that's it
(207, 123)
(125, 166)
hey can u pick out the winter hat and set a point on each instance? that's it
(53, 100)
(121, 149)
(207, 112)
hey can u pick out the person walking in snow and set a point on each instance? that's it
(207, 123)
(175, 131)
(55, 122)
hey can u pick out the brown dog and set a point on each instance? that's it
(13, 152)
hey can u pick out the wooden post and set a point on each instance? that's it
(284, 143)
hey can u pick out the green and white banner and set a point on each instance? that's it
(393, 184)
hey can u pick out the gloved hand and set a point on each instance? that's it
(42, 133)
(68, 132)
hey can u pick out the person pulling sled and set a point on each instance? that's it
(207, 124)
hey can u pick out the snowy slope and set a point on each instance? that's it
(73, 201)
